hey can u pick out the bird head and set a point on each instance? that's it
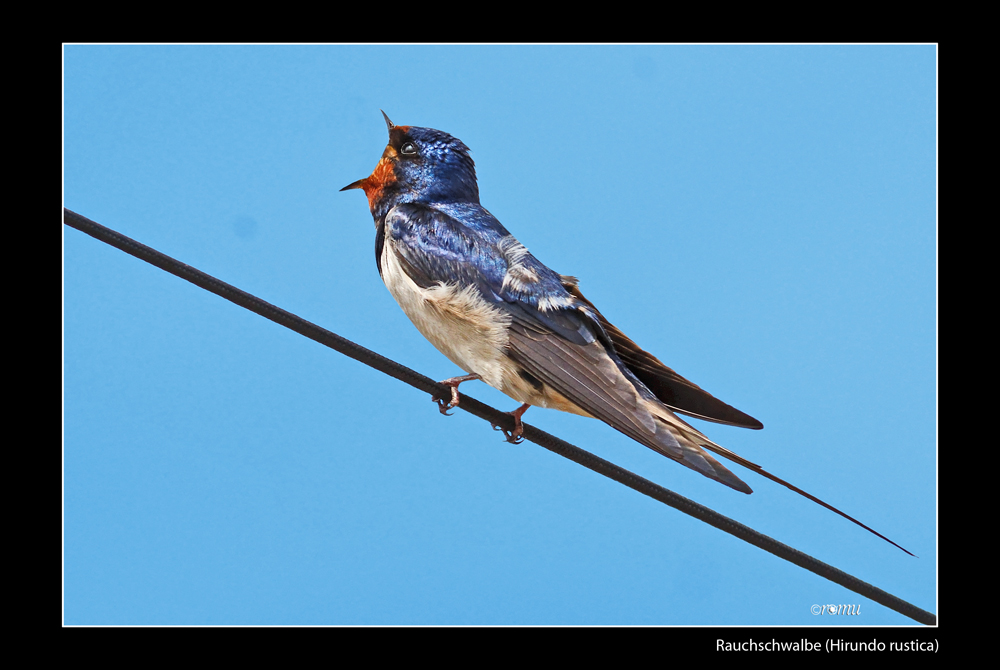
(419, 165)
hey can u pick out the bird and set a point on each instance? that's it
(501, 315)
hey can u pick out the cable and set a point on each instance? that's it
(494, 416)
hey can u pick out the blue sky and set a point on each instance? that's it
(762, 218)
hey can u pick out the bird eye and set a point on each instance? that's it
(409, 148)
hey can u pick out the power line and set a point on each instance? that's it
(494, 416)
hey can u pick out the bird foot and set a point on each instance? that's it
(514, 436)
(453, 382)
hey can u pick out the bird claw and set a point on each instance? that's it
(513, 437)
(453, 382)
(443, 406)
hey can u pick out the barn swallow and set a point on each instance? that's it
(505, 318)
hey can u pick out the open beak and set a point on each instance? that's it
(388, 153)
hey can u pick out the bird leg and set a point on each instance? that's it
(453, 382)
(515, 436)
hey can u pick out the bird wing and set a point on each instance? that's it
(594, 379)
(673, 390)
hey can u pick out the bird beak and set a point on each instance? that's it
(388, 153)
(357, 184)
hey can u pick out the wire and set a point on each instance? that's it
(494, 416)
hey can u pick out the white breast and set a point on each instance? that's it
(463, 326)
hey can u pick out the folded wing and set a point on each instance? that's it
(673, 390)
(590, 377)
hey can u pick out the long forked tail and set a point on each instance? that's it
(695, 441)
(736, 458)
